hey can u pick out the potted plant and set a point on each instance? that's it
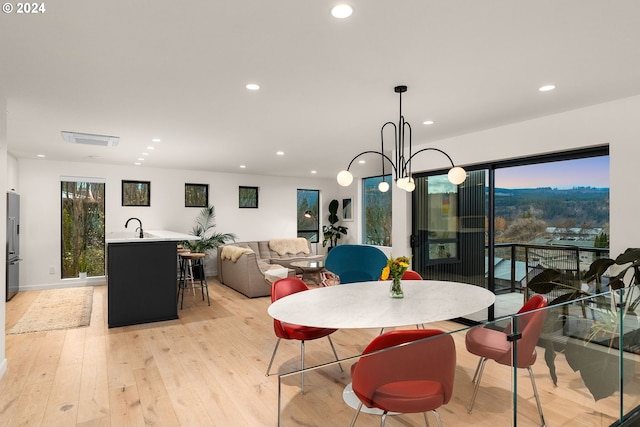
(203, 228)
(82, 267)
(594, 341)
(333, 232)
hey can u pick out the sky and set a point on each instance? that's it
(590, 172)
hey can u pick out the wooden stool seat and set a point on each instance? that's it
(194, 255)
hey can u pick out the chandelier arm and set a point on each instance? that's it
(406, 165)
(373, 152)
(434, 149)
(395, 134)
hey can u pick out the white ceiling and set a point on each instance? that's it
(176, 70)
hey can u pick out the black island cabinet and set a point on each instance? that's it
(141, 280)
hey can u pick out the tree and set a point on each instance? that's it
(525, 230)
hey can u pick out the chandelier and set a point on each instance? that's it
(402, 164)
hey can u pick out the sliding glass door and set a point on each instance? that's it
(509, 220)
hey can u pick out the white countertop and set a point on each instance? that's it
(149, 236)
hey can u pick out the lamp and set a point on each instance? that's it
(402, 164)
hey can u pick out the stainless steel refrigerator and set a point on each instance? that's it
(13, 244)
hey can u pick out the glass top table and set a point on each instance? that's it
(310, 270)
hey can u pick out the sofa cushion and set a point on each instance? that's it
(289, 246)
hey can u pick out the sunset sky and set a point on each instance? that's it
(590, 172)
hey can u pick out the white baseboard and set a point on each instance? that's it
(66, 283)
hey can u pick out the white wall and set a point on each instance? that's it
(39, 187)
(615, 123)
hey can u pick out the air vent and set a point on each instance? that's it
(89, 139)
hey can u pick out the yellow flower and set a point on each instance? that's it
(395, 268)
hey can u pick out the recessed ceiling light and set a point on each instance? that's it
(140, 158)
(156, 140)
(252, 86)
(151, 148)
(243, 166)
(145, 154)
(341, 11)
(137, 163)
(314, 171)
(362, 162)
(41, 156)
(546, 88)
(280, 153)
(428, 122)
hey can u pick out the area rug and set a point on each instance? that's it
(57, 309)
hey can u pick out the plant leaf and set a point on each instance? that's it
(545, 282)
(597, 269)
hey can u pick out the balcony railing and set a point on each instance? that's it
(516, 263)
(591, 380)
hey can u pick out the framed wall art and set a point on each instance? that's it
(347, 210)
(196, 195)
(248, 197)
(136, 193)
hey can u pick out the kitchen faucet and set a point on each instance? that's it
(139, 222)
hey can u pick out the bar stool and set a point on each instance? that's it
(187, 262)
(181, 250)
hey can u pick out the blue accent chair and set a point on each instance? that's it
(355, 263)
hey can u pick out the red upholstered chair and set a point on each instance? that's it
(411, 275)
(491, 344)
(281, 288)
(417, 377)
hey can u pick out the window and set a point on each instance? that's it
(442, 219)
(308, 220)
(511, 218)
(376, 208)
(82, 220)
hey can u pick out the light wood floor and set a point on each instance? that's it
(208, 369)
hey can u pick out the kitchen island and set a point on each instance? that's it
(141, 276)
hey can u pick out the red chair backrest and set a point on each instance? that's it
(530, 325)
(535, 302)
(280, 289)
(411, 275)
(287, 286)
(432, 359)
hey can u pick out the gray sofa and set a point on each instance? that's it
(245, 272)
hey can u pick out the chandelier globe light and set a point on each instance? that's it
(402, 164)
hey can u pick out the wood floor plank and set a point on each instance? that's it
(154, 397)
(125, 406)
(94, 383)
(208, 369)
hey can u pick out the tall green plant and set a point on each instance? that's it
(203, 228)
(333, 232)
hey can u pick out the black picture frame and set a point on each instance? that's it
(248, 197)
(196, 195)
(347, 210)
(136, 193)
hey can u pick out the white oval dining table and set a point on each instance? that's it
(368, 305)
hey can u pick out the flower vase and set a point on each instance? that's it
(396, 289)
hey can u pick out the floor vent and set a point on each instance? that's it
(90, 139)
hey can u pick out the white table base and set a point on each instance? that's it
(352, 400)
